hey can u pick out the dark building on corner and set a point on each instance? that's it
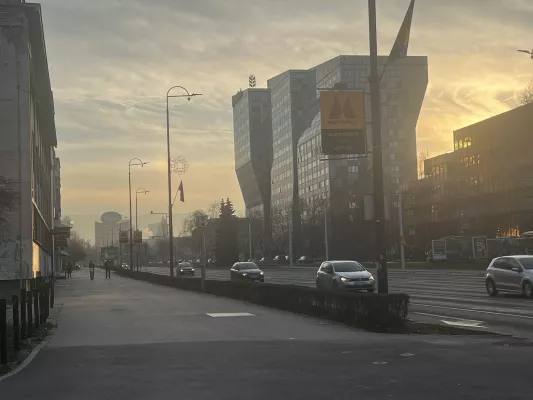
(484, 187)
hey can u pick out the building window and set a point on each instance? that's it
(393, 145)
(393, 121)
(353, 169)
(392, 156)
(395, 168)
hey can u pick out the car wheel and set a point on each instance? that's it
(371, 290)
(528, 290)
(491, 287)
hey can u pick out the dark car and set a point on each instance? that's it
(246, 271)
(185, 268)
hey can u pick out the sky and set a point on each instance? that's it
(112, 61)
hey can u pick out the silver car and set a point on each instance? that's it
(345, 275)
(510, 274)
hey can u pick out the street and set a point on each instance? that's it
(437, 296)
(125, 339)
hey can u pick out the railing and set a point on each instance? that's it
(21, 318)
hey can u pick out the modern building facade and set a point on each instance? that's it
(252, 123)
(28, 139)
(484, 187)
(345, 184)
(304, 182)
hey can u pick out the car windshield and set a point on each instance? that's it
(527, 263)
(348, 267)
(184, 265)
(247, 265)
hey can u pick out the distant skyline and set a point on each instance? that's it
(112, 61)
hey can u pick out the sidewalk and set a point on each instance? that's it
(123, 339)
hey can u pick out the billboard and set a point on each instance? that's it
(123, 237)
(109, 253)
(137, 237)
(438, 248)
(479, 247)
(343, 122)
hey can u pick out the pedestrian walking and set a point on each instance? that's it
(69, 270)
(108, 269)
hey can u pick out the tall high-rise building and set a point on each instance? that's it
(252, 124)
(345, 184)
(304, 181)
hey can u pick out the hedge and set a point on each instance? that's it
(372, 311)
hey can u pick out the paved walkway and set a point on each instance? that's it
(123, 339)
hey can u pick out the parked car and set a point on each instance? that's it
(305, 260)
(281, 259)
(264, 261)
(185, 268)
(510, 274)
(246, 271)
(344, 275)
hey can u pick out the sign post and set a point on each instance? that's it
(343, 122)
(201, 222)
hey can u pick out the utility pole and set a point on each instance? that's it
(290, 241)
(400, 220)
(250, 236)
(326, 239)
(377, 156)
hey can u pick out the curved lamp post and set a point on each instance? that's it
(137, 192)
(137, 162)
(169, 172)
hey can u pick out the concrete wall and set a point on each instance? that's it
(16, 254)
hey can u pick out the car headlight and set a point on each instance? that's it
(192, 269)
(344, 279)
(371, 278)
(261, 273)
(181, 270)
(244, 274)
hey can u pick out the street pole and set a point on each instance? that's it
(290, 241)
(169, 177)
(142, 164)
(250, 237)
(326, 239)
(400, 219)
(170, 230)
(379, 202)
(131, 230)
(204, 266)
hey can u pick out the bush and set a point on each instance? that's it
(377, 312)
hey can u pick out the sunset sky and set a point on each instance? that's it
(112, 61)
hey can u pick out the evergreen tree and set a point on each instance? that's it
(226, 245)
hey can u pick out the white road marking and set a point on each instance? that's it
(474, 310)
(473, 321)
(407, 355)
(464, 324)
(224, 315)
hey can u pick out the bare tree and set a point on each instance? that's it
(189, 224)
(526, 96)
(8, 200)
(213, 210)
(422, 156)
(280, 229)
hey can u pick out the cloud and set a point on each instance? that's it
(112, 61)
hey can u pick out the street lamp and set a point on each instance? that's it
(530, 52)
(137, 192)
(169, 161)
(131, 164)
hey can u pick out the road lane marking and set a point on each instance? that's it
(225, 315)
(473, 310)
(453, 321)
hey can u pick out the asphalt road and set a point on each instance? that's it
(123, 339)
(437, 296)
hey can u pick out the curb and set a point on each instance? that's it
(33, 353)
